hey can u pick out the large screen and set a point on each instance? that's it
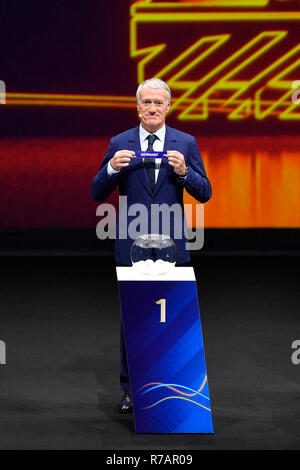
(71, 69)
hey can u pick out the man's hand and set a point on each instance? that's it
(121, 159)
(177, 161)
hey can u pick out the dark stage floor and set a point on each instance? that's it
(59, 318)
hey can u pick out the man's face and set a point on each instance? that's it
(153, 107)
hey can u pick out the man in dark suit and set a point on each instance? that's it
(160, 181)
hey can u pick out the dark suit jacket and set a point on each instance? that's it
(133, 182)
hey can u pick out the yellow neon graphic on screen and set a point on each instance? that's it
(220, 89)
(263, 94)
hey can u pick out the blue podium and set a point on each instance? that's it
(165, 351)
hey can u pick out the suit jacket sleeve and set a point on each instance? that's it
(196, 182)
(104, 184)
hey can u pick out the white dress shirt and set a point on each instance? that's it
(158, 146)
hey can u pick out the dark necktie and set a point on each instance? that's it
(150, 162)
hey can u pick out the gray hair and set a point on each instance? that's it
(153, 83)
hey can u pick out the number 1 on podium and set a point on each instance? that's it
(162, 303)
